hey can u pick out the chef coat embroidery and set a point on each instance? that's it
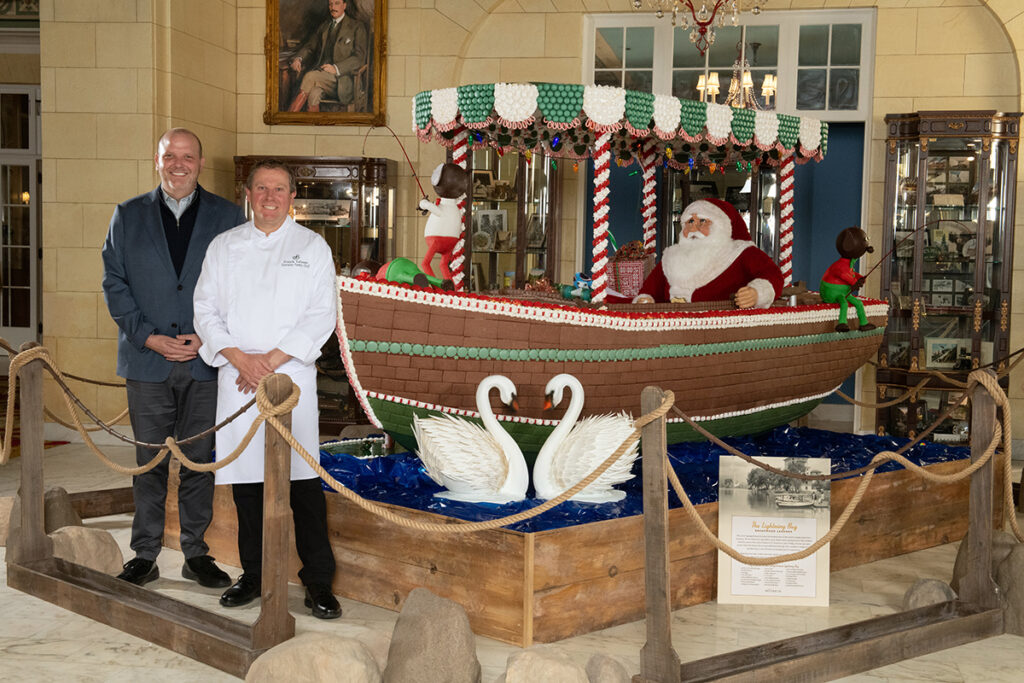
(295, 262)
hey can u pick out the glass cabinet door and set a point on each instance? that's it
(948, 232)
(513, 214)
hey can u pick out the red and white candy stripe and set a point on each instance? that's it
(458, 263)
(650, 205)
(602, 171)
(786, 214)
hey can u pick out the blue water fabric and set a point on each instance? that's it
(399, 479)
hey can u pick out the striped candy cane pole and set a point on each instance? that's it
(460, 152)
(650, 206)
(786, 210)
(602, 170)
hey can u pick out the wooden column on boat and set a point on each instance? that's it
(275, 624)
(658, 660)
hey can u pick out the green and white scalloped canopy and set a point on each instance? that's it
(564, 120)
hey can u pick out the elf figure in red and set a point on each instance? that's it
(714, 260)
(444, 225)
(841, 278)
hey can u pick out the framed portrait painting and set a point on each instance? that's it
(325, 62)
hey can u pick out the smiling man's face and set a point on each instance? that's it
(178, 161)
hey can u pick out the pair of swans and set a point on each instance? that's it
(485, 465)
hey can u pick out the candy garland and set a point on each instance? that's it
(458, 264)
(650, 203)
(786, 211)
(557, 119)
(602, 172)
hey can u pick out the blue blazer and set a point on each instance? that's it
(144, 295)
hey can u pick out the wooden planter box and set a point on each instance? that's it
(524, 588)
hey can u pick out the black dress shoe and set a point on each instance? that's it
(139, 571)
(324, 604)
(245, 590)
(203, 571)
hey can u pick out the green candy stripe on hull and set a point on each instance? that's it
(662, 351)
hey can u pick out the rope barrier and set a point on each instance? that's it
(269, 413)
(1001, 436)
(462, 526)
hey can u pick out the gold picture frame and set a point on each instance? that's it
(298, 29)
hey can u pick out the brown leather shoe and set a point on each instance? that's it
(299, 101)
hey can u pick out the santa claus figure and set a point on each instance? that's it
(714, 260)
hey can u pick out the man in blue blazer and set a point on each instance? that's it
(151, 261)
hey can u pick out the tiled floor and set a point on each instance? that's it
(41, 643)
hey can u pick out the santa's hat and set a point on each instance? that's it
(719, 212)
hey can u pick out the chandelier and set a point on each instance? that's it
(701, 21)
(741, 86)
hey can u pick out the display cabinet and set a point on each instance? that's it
(950, 181)
(513, 217)
(349, 201)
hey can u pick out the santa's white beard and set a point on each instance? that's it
(694, 262)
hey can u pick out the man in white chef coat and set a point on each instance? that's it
(266, 302)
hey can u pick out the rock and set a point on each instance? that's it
(1010, 577)
(1002, 544)
(377, 644)
(313, 657)
(93, 548)
(6, 504)
(58, 512)
(432, 641)
(926, 592)
(602, 668)
(543, 663)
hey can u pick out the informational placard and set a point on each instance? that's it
(764, 514)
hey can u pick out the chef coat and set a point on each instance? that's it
(258, 292)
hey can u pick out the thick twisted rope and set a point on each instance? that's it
(1001, 436)
(71, 401)
(461, 526)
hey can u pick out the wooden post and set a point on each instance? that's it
(275, 623)
(977, 586)
(34, 543)
(658, 660)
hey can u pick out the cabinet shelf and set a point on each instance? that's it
(522, 221)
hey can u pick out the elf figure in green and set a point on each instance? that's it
(841, 278)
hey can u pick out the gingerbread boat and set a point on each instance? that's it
(411, 351)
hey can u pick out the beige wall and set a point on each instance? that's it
(117, 72)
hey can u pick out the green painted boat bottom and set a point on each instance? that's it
(397, 420)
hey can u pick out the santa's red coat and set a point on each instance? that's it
(751, 264)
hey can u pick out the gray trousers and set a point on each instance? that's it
(180, 407)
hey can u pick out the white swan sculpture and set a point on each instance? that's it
(476, 464)
(575, 449)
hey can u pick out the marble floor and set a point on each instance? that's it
(42, 643)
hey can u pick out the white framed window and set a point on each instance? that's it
(824, 59)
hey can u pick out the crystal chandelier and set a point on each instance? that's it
(701, 21)
(741, 86)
